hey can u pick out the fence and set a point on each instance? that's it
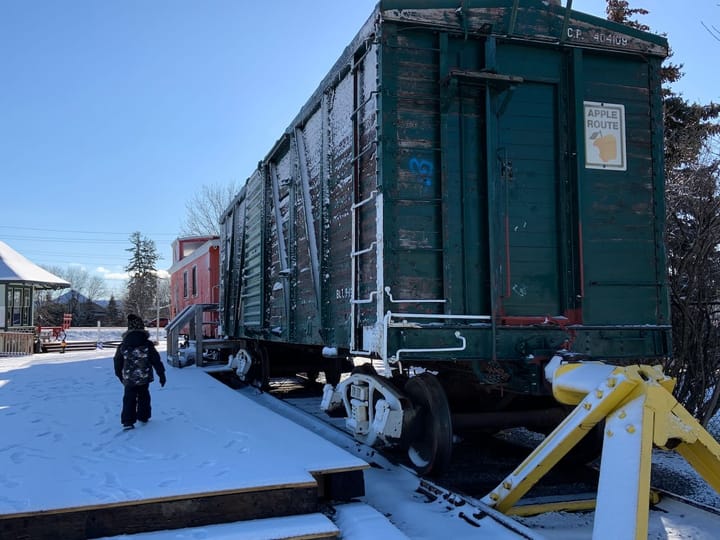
(16, 343)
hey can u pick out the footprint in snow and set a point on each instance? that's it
(8, 482)
(82, 473)
(97, 494)
(17, 504)
(111, 480)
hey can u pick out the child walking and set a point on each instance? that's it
(134, 361)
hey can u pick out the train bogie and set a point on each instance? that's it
(469, 190)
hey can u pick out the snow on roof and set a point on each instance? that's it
(16, 268)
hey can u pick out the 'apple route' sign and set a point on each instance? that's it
(605, 136)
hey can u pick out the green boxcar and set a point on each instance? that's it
(469, 190)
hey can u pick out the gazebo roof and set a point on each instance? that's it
(14, 268)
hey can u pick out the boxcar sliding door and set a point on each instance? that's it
(528, 186)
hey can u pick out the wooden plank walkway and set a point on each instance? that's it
(189, 510)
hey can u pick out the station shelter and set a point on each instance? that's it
(20, 281)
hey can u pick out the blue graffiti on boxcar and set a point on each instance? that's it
(424, 170)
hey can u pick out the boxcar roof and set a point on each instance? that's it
(534, 20)
(540, 20)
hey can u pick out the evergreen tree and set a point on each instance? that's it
(142, 270)
(692, 173)
(73, 306)
(86, 313)
(113, 316)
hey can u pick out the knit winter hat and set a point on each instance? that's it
(135, 322)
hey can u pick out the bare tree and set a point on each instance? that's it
(619, 11)
(90, 286)
(206, 207)
(712, 29)
(693, 236)
(692, 173)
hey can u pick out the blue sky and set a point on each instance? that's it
(114, 113)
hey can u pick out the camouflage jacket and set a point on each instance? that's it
(135, 359)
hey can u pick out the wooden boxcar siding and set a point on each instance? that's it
(294, 219)
(488, 205)
(254, 262)
(282, 170)
(413, 236)
(232, 227)
(623, 251)
(338, 238)
(434, 177)
(278, 197)
(460, 196)
(436, 235)
(367, 190)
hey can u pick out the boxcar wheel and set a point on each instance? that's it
(430, 447)
(259, 374)
(333, 372)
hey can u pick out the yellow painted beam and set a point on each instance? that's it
(595, 407)
(639, 410)
(578, 505)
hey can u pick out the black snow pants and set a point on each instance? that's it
(136, 404)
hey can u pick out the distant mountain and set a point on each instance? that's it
(81, 298)
(72, 295)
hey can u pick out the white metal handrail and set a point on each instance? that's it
(363, 251)
(410, 301)
(370, 197)
(387, 323)
(367, 300)
(433, 350)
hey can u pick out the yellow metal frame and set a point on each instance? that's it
(640, 411)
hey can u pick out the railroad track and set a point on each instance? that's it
(479, 464)
(480, 460)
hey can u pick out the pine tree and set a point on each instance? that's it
(142, 270)
(113, 316)
(86, 315)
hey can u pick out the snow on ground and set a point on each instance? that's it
(59, 419)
